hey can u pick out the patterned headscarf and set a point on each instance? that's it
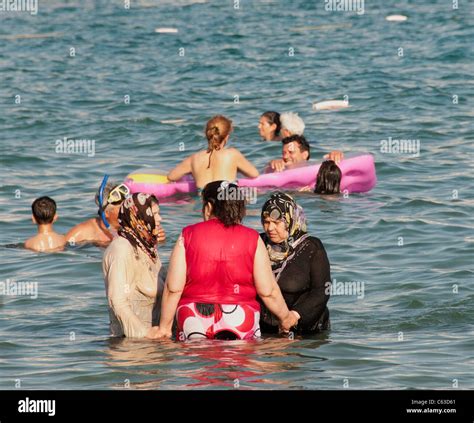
(137, 223)
(281, 206)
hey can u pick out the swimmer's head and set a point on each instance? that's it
(295, 149)
(328, 180)
(44, 211)
(112, 199)
(291, 124)
(217, 132)
(269, 125)
(225, 201)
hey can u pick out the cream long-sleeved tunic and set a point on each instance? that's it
(133, 285)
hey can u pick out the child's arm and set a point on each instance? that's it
(179, 171)
(244, 166)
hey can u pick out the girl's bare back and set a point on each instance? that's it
(223, 166)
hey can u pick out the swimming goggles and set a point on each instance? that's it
(118, 194)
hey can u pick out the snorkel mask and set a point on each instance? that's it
(115, 197)
(101, 201)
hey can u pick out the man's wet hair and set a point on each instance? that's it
(302, 143)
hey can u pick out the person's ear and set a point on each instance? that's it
(34, 220)
(305, 155)
(55, 217)
(207, 211)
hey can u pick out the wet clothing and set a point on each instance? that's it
(134, 285)
(219, 262)
(302, 279)
(219, 300)
(217, 321)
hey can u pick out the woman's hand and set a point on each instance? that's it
(155, 332)
(290, 321)
(336, 155)
(161, 234)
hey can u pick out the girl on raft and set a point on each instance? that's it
(217, 162)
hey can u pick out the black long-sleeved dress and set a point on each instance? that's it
(304, 285)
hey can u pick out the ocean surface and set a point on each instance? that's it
(66, 72)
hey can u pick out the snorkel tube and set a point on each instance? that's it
(101, 201)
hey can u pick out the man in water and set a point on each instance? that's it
(95, 230)
(292, 129)
(295, 150)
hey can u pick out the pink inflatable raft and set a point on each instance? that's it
(358, 175)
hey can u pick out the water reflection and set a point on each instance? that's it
(264, 364)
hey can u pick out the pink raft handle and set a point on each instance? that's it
(358, 175)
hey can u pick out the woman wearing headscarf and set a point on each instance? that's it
(131, 268)
(299, 263)
(217, 269)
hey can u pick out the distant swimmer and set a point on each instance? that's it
(291, 124)
(269, 126)
(44, 215)
(217, 162)
(103, 228)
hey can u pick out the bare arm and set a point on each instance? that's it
(179, 171)
(174, 286)
(75, 234)
(276, 165)
(268, 289)
(244, 166)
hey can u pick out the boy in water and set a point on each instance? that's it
(44, 215)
